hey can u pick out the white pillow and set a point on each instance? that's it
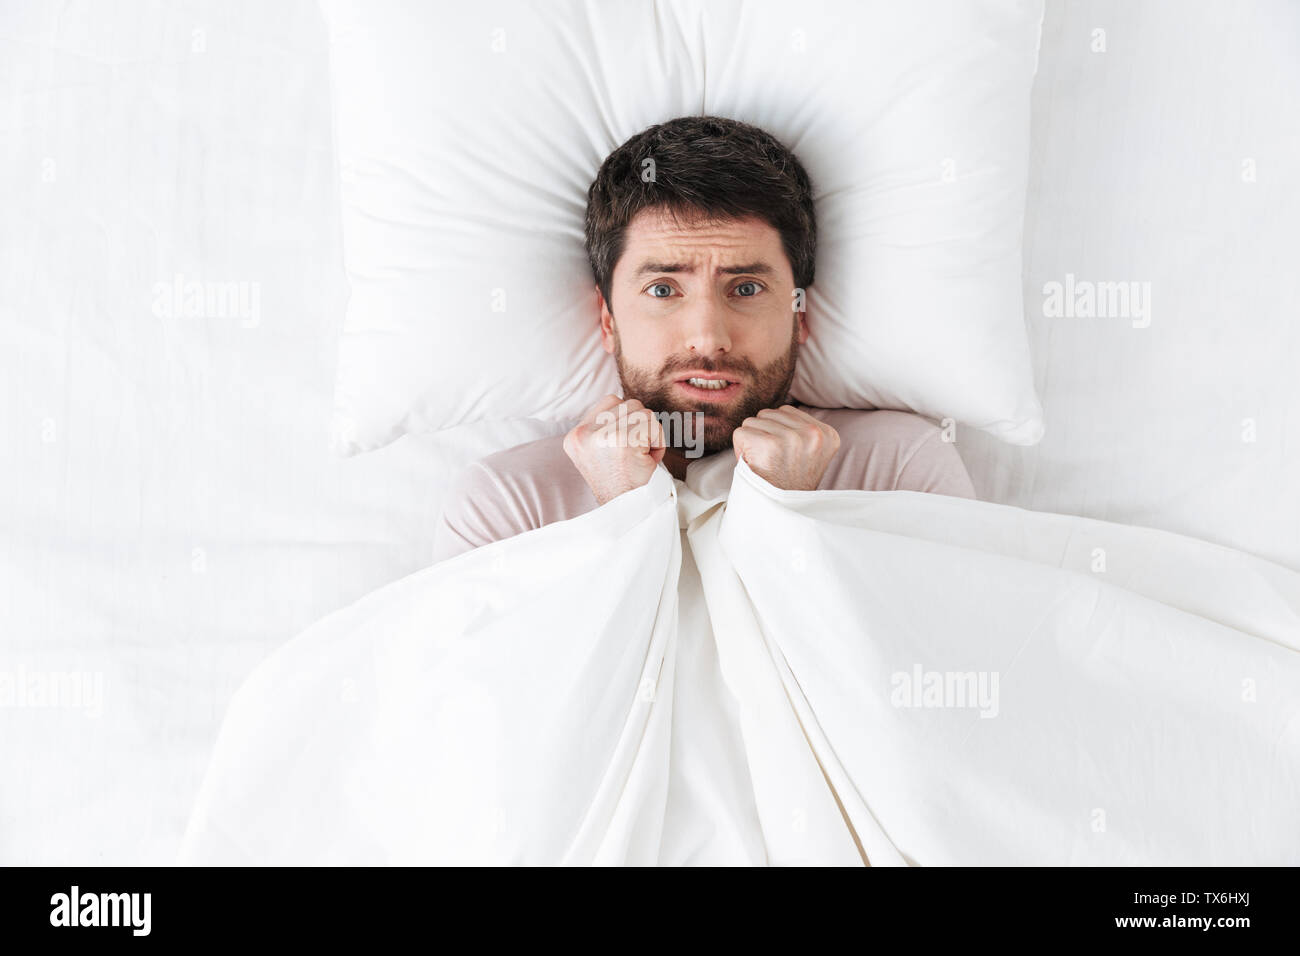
(468, 134)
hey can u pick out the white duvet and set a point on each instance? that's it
(722, 672)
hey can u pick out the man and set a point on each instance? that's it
(701, 236)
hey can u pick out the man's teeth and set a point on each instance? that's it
(708, 382)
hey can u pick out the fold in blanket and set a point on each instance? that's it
(725, 672)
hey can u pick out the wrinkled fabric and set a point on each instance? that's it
(725, 672)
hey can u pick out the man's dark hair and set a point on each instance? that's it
(705, 168)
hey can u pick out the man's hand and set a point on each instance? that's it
(786, 447)
(616, 447)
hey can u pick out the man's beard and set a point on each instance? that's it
(766, 387)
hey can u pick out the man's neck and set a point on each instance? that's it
(675, 461)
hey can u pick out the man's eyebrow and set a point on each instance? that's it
(753, 268)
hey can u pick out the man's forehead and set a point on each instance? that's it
(657, 224)
(653, 238)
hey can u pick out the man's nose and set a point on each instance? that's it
(705, 331)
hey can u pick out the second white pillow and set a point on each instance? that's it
(468, 135)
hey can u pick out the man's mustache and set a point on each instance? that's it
(711, 367)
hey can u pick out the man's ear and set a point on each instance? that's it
(606, 323)
(802, 319)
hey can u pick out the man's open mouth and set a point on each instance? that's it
(708, 386)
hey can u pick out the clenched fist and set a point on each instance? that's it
(616, 447)
(786, 447)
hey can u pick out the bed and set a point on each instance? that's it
(172, 512)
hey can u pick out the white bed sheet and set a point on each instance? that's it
(170, 509)
(781, 678)
(1139, 154)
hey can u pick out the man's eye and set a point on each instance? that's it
(660, 285)
(749, 284)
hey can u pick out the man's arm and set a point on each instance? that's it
(510, 492)
(476, 512)
(935, 467)
(888, 450)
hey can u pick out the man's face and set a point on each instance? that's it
(710, 300)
